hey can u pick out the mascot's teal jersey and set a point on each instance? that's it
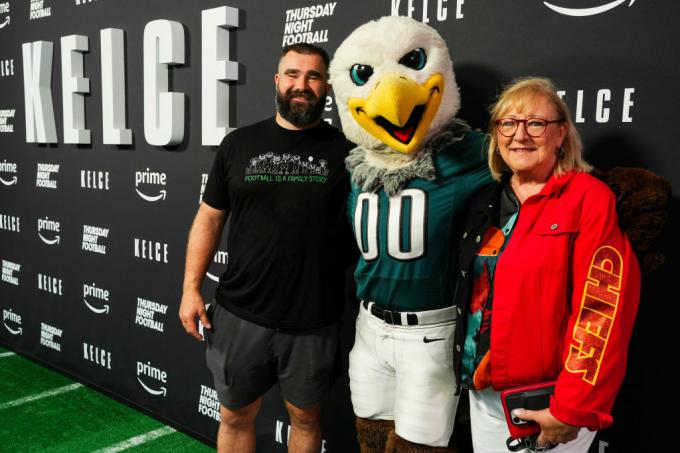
(406, 240)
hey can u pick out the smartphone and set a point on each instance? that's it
(534, 397)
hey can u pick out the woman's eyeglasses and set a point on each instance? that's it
(535, 127)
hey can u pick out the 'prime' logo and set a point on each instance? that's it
(148, 370)
(149, 177)
(596, 317)
(11, 167)
(13, 318)
(592, 11)
(49, 225)
(98, 293)
(220, 258)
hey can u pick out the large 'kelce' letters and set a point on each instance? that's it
(40, 126)
(164, 45)
(74, 88)
(113, 88)
(216, 70)
(163, 110)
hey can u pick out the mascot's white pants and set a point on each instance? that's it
(405, 374)
(490, 430)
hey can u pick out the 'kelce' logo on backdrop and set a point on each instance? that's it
(94, 179)
(6, 118)
(7, 67)
(151, 250)
(208, 403)
(12, 322)
(219, 258)
(53, 227)
(10, 223)
(589, 11)
(91, 237)
(150, 178)
(50, 284)
(50, 336)
(38, 10)
(147, 371)
(279, 434)
(407, 8)
(163, 46)
(4, 14)
(93, 292)
(8, 270)
(8, 167)
(44, 176)
(97, 355)
(605, 101)
(146, 311)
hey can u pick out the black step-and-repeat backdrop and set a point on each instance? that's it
(110, 113)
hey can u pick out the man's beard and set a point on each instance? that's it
(300, 114)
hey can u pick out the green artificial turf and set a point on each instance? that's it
(20, 377)
(80, 420)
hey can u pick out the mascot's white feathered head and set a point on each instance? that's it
(394, 84)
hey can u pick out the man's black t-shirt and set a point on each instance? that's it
(289, 237)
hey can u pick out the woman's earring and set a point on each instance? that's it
(560, 151)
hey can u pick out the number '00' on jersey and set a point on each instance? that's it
(405, 240)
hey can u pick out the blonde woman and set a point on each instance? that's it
(548, 285)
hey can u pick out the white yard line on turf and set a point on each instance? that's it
(38, 396)
(137, 440)
(6, 354)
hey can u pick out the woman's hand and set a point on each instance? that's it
(553, 431)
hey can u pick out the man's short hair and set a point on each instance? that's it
(307, 49)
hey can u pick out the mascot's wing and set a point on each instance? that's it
(642, 199)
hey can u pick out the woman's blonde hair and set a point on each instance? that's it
(520, 94)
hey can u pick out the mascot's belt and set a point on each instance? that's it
(402, 318)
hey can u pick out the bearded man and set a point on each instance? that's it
(277, 307)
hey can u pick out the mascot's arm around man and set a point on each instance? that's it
(414, 169)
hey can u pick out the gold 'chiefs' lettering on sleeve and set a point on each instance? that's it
(596, 316)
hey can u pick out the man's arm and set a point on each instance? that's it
(204, 238)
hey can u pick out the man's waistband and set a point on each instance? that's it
(406, 318)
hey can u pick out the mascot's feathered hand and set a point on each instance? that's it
(397, 96)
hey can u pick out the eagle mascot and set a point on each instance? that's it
(414, 169)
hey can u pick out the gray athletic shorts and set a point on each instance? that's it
(246, 360)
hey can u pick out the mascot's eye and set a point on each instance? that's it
(360, 73)
(415, 59)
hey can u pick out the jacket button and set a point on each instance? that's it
(478, 238)
(553, 226)
(463, 273)
(459, 311)
(458, 347)
(464, 235)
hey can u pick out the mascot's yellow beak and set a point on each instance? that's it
(399, 111)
